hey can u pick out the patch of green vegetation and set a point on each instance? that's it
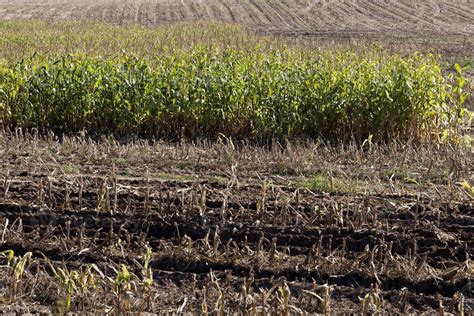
(120, 161)
(70, 168)
(440, 176)
(67, 77)
(218, 179)
(465, 62)
(322, 182)
(180, 177)
(184, 164)
(165, 176)
(403, 174)
(397, 173)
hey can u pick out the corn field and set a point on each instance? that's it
(203, 168)
(242, 94)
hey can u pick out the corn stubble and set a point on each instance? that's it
(220, 267)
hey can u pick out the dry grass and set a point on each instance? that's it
(393, 168)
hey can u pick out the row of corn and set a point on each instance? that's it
(242, 94)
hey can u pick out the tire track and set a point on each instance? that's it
(219, 12)
(257, 9)
(242, 12)
(158, 13)
(142, 17)
(464, 14)
(165, 13)
(339, 17)
(400, 19)
(135, 10)
(397, 18)
(378, 12)
(432, 12)
(188, 13)
(309, 6)
(361, 21)
(197, 10)
(289, 10)
(410, 11)
(330, 12)
(362, 13)
(222, 12)
(312, 13)
(278, 15)
(87, 10)
(153, 14)
(69, 12)
(441, 17)
(230, 13)
(205, 5)
(175, 14)
(122, 10)
(148, 13)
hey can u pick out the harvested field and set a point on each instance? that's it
(222, 239)
(364, 207)
(329, 18)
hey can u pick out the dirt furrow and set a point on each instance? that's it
(261, 16)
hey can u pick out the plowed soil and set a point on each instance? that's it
(327, 18)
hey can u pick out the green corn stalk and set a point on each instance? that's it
(73, 282)
(206, 92)
(67, 280)
(84, 281)
(17, 266)
(122, 287)
(147, 279)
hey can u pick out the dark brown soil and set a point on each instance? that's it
(205, 232)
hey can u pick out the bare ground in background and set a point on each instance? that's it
(332, 17)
